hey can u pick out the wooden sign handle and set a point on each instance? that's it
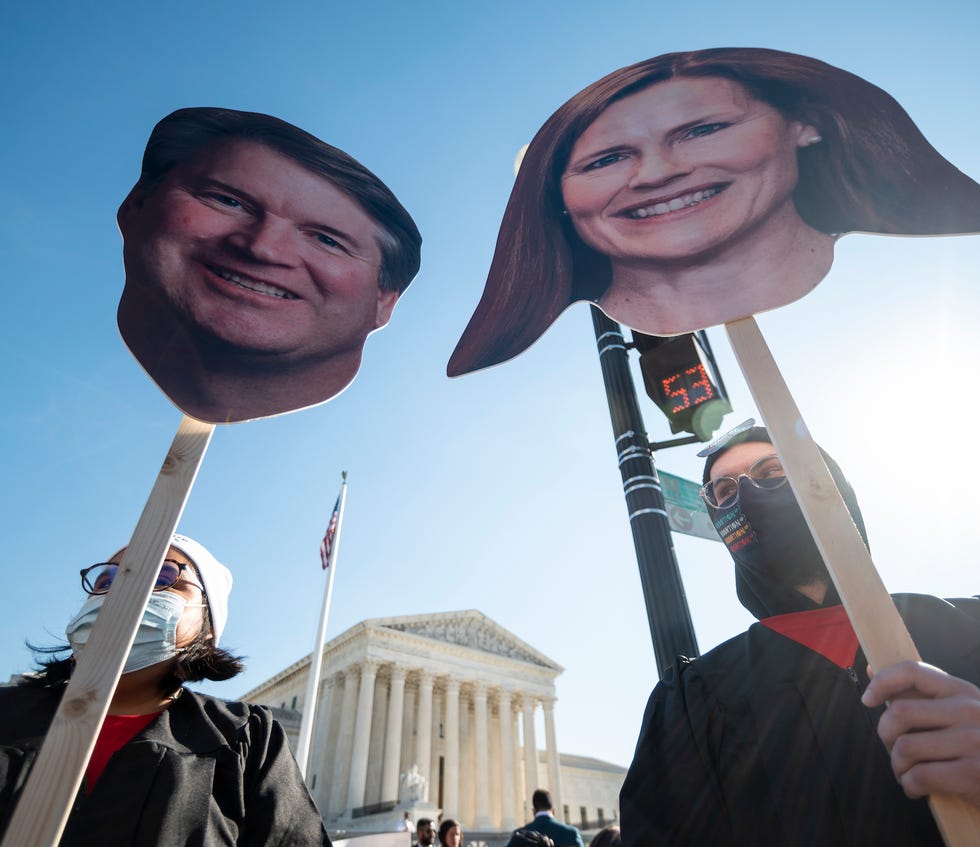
(879, 627)
(46, 801)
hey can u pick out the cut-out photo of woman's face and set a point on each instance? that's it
(685, 182)
(258, 260)
(698, 188)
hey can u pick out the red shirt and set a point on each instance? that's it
(825, 631)
(115, 732)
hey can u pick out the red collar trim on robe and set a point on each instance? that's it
(116, 732)
(825, 631)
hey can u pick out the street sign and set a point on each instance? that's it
(686, 511)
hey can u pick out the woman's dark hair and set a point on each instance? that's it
(183, 134)
(607, 837)
(444, 828)
(873, 171)
(50, 670)
(201, 659)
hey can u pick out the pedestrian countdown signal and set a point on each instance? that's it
(680, 377)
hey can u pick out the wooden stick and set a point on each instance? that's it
(879, 627)
(46, 802)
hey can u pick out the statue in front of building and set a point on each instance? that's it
(414, 786)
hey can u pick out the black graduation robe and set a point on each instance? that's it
(205, 773)
(764, 742)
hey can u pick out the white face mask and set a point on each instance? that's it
(156, 638)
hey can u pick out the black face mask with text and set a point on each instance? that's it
(768, 538)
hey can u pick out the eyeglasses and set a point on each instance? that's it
(96, 579)
(767, 473)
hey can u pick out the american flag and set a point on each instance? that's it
(327, 544)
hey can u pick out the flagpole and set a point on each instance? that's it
(316, 659)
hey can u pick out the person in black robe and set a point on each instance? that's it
(771, 737)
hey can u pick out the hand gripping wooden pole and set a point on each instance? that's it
(876, 621)
(47, 798)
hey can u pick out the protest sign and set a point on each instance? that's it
(701, 188)
(258, 259)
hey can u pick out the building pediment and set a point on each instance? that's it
(470, 629)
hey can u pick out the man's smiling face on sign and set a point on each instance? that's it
(252, 252)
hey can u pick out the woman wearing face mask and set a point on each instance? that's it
(170, 766)
(770, 738)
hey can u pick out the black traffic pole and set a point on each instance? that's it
(671, 627)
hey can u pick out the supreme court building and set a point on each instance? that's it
(453, 695)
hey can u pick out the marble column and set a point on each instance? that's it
(345, 735)
(530, 750)
(393, 735)
(466, 808)
(450, 791)
(482, 776)
(554, 765)
(507, 789)
(423, 730)
(362, 736)
(322, 758)
(519, 793)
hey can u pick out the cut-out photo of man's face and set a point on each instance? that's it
(694, 189)
(258, 259)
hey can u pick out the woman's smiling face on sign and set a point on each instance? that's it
(681, 171)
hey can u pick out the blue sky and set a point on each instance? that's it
(499, 490)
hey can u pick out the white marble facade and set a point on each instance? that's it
(454, 694)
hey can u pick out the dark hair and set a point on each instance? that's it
(873, 171)
(184, 133)
(608, 836)
(541, 801)
(201, 659)
(444, 828)
(423, 822)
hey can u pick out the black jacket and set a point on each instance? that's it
(205, 772)
(763, 741)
